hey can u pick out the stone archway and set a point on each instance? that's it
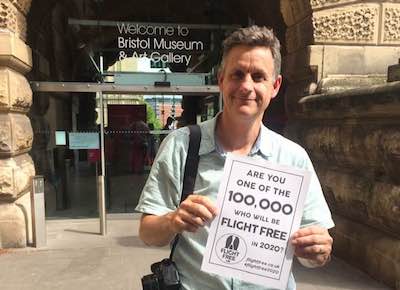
(331, 45)
(16, 134)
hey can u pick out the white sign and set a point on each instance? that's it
(157, 38)
(83, 140)
(260, 207)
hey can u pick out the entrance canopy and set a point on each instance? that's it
(75, 87)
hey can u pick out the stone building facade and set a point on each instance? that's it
(16, 165)
(337, 100)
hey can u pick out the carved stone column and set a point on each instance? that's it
(353, 136)
(16, 166)
(338, 44)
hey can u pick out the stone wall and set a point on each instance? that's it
(338, 44)
(16, 166)
(354, 140)
(353, 136)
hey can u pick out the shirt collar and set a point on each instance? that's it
(208, 143)
(265, 141)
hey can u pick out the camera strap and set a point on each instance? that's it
(191, 165)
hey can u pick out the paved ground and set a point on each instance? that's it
(77, 257)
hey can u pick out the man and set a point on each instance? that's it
(248, 79)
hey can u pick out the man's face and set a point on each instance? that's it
(248, 82)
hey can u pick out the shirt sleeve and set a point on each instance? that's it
(162, 191)
(316, 210)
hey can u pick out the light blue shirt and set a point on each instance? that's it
(162, 192)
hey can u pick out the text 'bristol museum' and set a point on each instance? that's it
(90, 88)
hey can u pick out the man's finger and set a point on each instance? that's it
(181, 224)
(197, 209)
(205, 201)
(307, 231)
(191, 219)
(315, 239)
(312, 251)
(317, 256)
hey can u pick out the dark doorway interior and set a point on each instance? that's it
(67, 39)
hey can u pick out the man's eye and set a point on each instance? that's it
(237, 75)
(258, 77)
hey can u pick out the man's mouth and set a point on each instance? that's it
(246, 98)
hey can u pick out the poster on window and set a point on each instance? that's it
(81, 140)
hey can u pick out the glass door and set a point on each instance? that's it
(134, 127)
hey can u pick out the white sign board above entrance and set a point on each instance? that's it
(159, 42)
(83, 140)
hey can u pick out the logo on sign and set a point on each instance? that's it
(231, 249)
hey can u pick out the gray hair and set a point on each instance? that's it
(254, 36)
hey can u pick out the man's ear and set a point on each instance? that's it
(220, 77)
(277, 85)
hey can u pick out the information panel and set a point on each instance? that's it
(83, 140)
(61, 138)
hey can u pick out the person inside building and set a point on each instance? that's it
(249, 79)
(170, 123)
(139, 132)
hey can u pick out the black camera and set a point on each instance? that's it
(165, 277)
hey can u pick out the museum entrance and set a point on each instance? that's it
(102, 168)
(153, 61)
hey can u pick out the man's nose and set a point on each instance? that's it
(246, 85)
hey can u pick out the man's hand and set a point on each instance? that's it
(194, 212)
(314, 244)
